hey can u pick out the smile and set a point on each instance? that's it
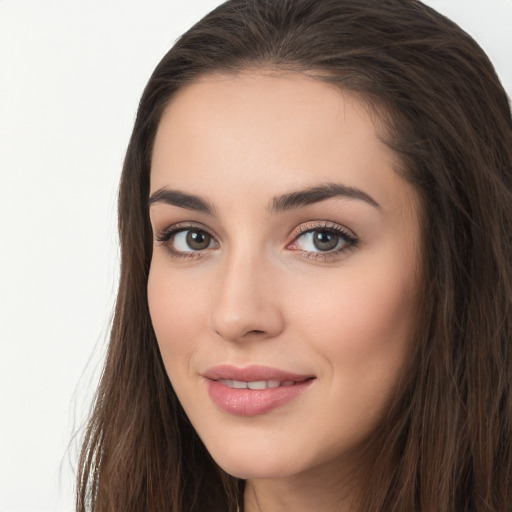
(256, 384)
(253, 390)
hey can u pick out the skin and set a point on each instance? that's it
(263, 293)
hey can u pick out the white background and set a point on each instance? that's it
(71, 73)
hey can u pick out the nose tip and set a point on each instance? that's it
(246, 307)
(240, 320)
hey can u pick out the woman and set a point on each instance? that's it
(315, 306)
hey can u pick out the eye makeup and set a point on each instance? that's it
(314, 240)
(322, 240)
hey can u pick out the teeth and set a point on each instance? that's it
(258, 384)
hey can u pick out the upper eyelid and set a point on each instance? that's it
(183, 226)
(309, 226)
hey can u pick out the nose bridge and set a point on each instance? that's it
(245, 303)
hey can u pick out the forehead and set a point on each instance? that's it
(280, 100)
(278, 129)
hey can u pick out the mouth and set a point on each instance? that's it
(254, 374)
(256, 384)
(253, 390)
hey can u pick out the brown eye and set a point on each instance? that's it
(197, 240)
(181, 241)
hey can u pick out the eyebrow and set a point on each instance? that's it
(317, 194)
(182, 200)
(281, 203)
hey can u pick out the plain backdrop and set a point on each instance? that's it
(71, 73)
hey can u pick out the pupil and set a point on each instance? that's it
(325, 240)
(198, 240)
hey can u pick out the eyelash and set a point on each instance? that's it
(166, 235)
(350, 240)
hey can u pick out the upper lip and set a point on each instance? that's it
(253, 373)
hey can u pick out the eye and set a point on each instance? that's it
(192, 240)
(319, 241)
(324, 240)
(186, 241)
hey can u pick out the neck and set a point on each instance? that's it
(332, 492)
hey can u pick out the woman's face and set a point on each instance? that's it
(284, 282)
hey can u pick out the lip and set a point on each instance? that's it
(253, 402)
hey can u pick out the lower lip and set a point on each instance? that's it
(252, 402)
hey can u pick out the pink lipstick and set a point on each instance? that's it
(253, 390)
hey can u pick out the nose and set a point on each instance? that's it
(246, 303)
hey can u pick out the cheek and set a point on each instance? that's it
(176, 311)
(363, 324)
(363, 333)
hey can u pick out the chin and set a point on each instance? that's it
(248, 470)
(250, 463)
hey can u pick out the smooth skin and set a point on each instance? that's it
(324, 286)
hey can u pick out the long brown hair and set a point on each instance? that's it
(446, 441)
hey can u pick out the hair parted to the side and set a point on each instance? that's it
(446, 442)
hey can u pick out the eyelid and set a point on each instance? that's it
(347, 235)
(327, 225)
(165, 235)
(351, 240)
